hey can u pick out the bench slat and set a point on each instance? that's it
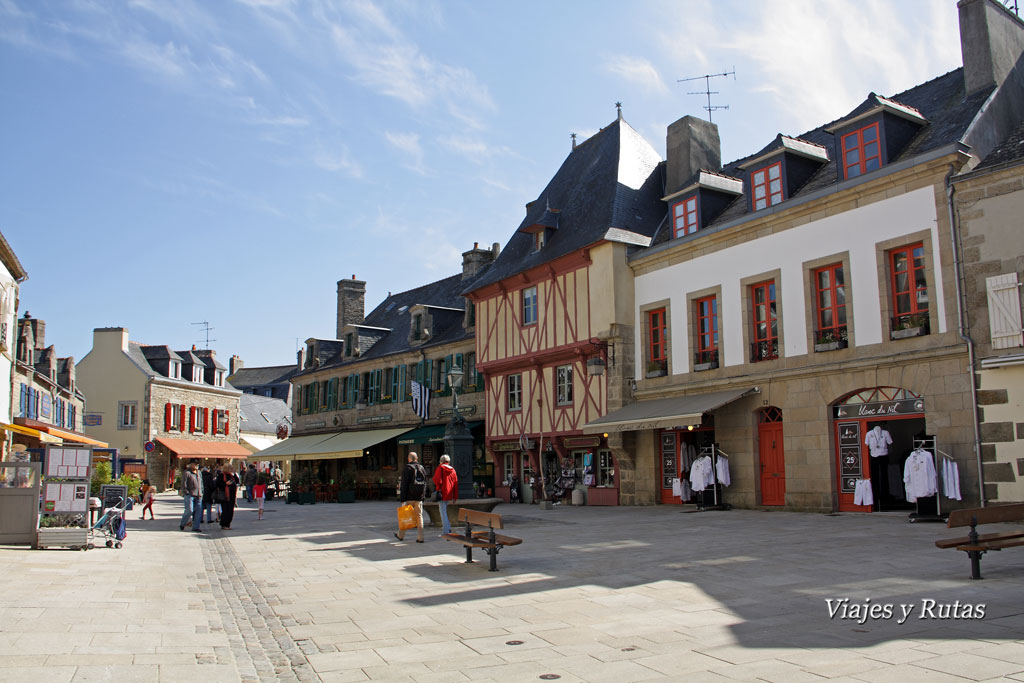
(993, 545)
(982, 538)
(987, 515)
(477, 518)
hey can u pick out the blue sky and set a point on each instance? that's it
(171, 162)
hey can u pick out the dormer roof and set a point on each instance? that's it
(709, 180)
(784, 143)
(873, 105)
(547, 221)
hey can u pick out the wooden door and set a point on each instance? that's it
(773, 460)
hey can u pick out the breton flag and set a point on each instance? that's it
(421, 399)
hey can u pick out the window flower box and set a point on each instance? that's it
(907, 326)
(705, 360)
(710, 365)
(831, 346)
(656, 368)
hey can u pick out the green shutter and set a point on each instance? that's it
(402, 382)
(428, 373)
(479, 376)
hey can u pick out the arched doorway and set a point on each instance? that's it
(772, 456)
(895, 416)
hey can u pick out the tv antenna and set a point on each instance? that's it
(707, 89)
(206, 329)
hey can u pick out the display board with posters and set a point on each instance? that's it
(67, 471)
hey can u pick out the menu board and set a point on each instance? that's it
(113, 495)
(60, 497)
(668, 460)
(850, 469)
(68, 463)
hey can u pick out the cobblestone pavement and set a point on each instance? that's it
(325, 593)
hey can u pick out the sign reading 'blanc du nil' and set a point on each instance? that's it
(907, 406)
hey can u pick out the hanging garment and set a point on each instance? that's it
(722, 471)
(862, 493)
(677, 489)
(877, 441)
(951, 479)
(701, 474)
(684, 487)
(895, 481)
(919, 475)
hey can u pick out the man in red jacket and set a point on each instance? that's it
(447, 482)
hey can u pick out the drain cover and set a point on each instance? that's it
(628, 649)
(549, 677)
(513, 642)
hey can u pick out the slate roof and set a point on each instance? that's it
(1009, 150)
(612, 180)
(141, 355)
(941, 101)
(159, 353)
(252, 410)
(254, 377)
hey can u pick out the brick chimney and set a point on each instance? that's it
(691, 144)
(351, 300)
(991, 43)
(474, 260)
(235, 364)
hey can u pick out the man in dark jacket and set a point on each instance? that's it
(207, 477)
(411, 489)
(192, 489)
(249, 480)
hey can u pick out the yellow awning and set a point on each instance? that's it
(28, 431)
(327, 446)
(72, 436)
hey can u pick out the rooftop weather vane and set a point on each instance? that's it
(206, 329)
(707, 89)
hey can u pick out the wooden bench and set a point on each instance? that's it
(475, 536)
(975, 544)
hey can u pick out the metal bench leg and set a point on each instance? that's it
(493, 552)
(975, 556)
(469, 555)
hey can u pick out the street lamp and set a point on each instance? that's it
(458, 441)
(455, 376)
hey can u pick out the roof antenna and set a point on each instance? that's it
(206, 329)
(707, 89)
(618, 109)
(573, 136)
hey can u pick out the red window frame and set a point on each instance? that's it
(707, 324)
(826, 298)
(657, 326)
(685, 219)
(860, 148)
(906, 296)
(763, 302)
(761, 179)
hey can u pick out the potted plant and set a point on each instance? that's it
(830, 340)
(656, 368)
(907, 326)
(62, 531)
(347, 487)
(706, 360)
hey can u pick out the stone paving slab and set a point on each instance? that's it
(324, 593)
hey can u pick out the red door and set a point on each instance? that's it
(773, 460)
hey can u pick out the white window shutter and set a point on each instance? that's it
(1004, 316)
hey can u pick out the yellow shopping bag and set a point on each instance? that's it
(407, 517)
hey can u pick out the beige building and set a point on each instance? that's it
(157, 406)
(988, 204)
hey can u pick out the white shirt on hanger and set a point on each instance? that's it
(919, 475)
(951, 478)
(722, 471)
(701, 474)
(877, 441)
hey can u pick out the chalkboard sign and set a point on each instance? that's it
(113, 495)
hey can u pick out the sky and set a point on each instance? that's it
(173, 162)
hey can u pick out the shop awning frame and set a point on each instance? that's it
(220, 450)
(332, 446)
(664, 413)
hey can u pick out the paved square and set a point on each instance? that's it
(325, 593)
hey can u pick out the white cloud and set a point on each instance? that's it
(337, 160)
(168, 61)
(474, 149)
(412, 153)
(638, 71)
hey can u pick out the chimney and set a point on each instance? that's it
(234, 365)
(300, 358)
(101, 336)
(496, 249)
(691, 144)
(38, 331)
(474, 260)
(991, 42)
(351, 296)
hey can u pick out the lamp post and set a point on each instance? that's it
(458, 442)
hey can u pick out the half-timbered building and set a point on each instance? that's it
(554, 320)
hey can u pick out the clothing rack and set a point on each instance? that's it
(712, 451)
(928, 443)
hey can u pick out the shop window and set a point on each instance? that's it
(765, 344)
(707, 332)
(766, 186)
(685, 217)
(862, 151)
(127, 414)
(605, 469)
(508, 468)
(657, 353)
(514, 392)
(830, 308)
(909, 292)
(563, 385)
(529, 305)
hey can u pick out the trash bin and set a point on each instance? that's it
(578, 497)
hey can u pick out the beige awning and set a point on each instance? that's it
(327, 446)
(663, 413)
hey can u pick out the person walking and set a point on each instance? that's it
(148, 494)
(260, 494)
(192, 488)
(410, 490)
(447, 483)
(228, 492)
(249, 481)
(208, 489)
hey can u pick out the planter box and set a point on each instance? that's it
(908, 332)
(307, 498)
(651, 374)
(830, 346)
(293, 497)
(346, 496)
(59, 537)
(705, 366)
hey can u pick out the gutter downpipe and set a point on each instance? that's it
(963, 330)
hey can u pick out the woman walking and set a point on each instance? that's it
(447, 483)
(228, 491)
(148, 494)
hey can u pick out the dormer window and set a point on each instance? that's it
(349, 342)
(538, 240)
(197, 375)
(417, 327)
(219, 378)
(174, 370)
(766, 186)
(685, 217)
(861, 151)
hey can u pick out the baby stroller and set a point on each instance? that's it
(111, 524)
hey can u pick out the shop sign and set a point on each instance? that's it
(316, 425)
(46, 406)
(849, 456)
(581, 441)
(93, 420)
(907, 406)
(373, 419)
(507, 446)
(463, 410)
